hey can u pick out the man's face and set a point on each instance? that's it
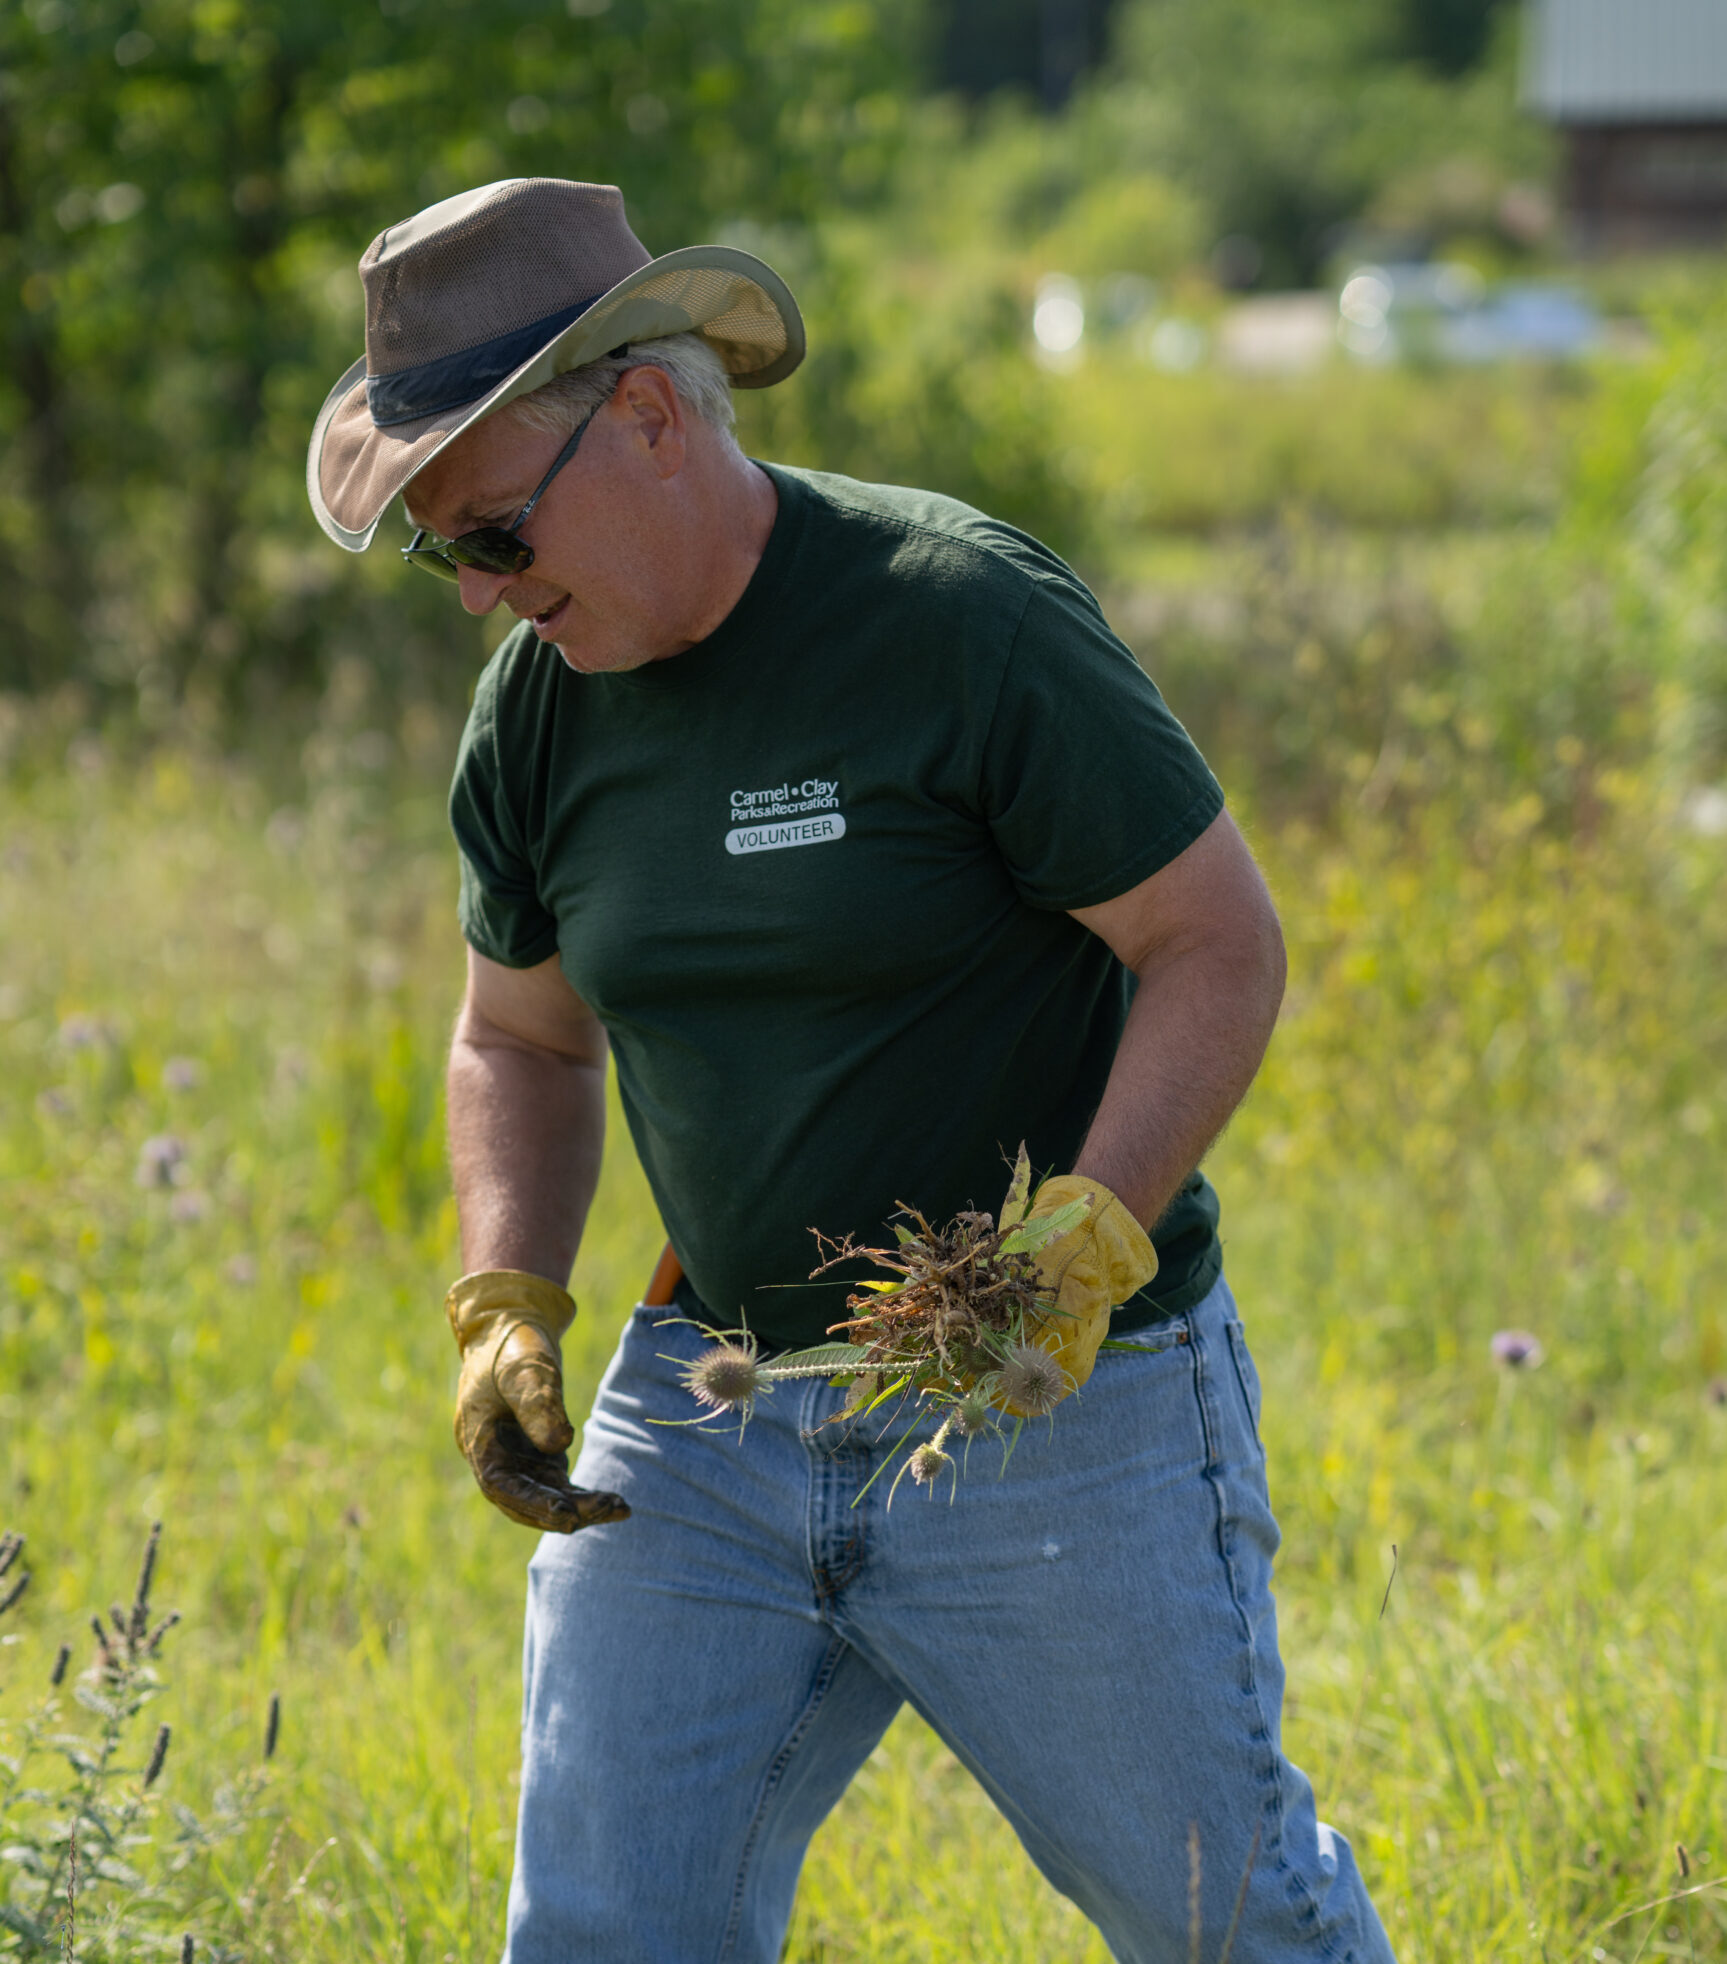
(603, 587)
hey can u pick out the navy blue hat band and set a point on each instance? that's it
(456, 380)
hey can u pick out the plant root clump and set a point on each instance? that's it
(961, 1303)
(953, 1333)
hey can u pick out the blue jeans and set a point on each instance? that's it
(1092, 1634)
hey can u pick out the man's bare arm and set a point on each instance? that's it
(527, 1117)
(1202, 937)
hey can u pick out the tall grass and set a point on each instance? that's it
(1496, 1100)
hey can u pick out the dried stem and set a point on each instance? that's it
(70, 1938)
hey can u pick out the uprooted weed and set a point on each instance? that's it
(958, 1328)
(954, 1334)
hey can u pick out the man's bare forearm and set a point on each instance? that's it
(527, 1129)
(1194, 1038)
(1203, 939)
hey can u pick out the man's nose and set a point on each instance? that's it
(479, 589)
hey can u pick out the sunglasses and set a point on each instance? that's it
(493, 548)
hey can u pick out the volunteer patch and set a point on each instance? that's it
(801, 814)
(789, 832)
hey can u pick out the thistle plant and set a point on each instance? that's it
(74, 1853)
(951, 1334)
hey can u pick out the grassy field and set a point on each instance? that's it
(1496, 1101)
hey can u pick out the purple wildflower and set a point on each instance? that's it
(1517, 1350)
(157, 1159)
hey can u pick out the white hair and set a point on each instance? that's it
(693, 367)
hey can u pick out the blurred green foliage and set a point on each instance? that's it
(1296, 119)
(185, 186)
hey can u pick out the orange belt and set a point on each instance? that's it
(668, 1273)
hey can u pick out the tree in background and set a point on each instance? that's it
(184, 189)
(1291, 120)
(186, 184)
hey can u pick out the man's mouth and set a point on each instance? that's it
(544, 621)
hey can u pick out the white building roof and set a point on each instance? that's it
(1626, 61)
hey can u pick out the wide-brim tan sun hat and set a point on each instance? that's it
(487, 296)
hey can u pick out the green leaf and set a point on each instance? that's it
(112, 1870)
(35, 1935)
(1037, 1233)
(1018, 1193)
(903, 1234)
(93, 1701)
(820, 1361)
(899, 1384)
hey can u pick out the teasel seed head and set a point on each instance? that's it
(928, 1464)
(973, 1416)
(726, 1376)
(1031, 1380)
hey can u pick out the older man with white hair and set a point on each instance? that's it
(837, 816)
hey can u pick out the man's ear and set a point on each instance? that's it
(653, 416)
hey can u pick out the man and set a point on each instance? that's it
(837, 815)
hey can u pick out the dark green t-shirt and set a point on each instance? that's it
(812, 876)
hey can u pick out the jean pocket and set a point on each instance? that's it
(1152, 1338)
(1246, 1374)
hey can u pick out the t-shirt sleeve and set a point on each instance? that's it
(500, 908)
(1088, 782)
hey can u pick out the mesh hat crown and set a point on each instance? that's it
(487, 296)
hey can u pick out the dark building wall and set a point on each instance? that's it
(1642, 186)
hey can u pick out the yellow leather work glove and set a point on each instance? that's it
(1100, 1262)
(510, 1419)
